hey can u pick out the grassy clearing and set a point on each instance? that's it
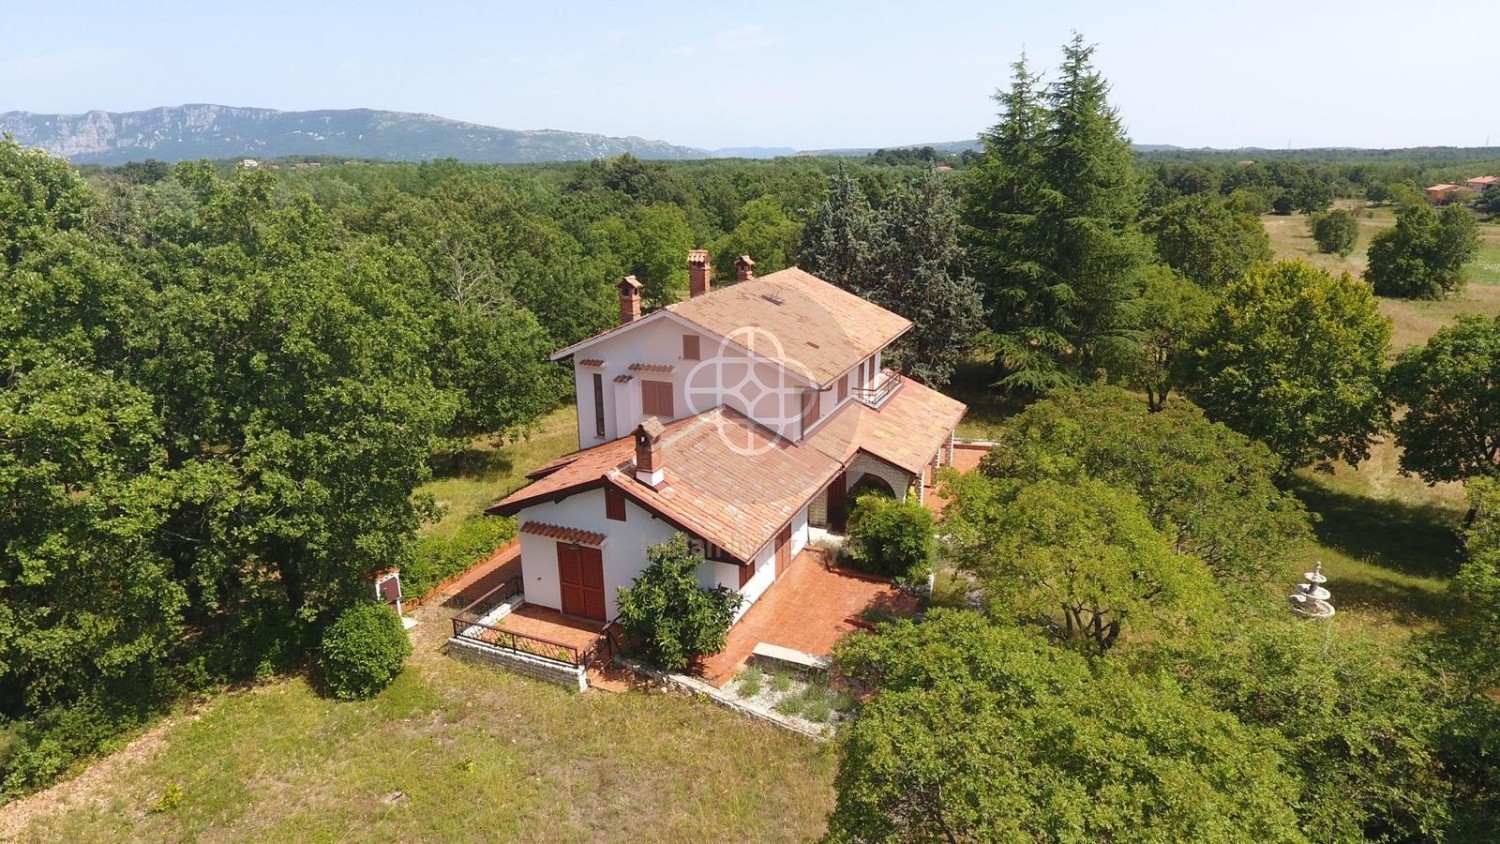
(1413, 321)
(489, 471)
(455, 752)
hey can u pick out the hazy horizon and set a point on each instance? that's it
(1334, 74)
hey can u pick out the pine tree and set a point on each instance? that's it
(906, 257)
(1052, 213)
(926, 281)
(841, 242)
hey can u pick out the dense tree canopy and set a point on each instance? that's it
(1450, 392)
(980, 733)
(1423, 256)
(1205, 240)
(904, 255)
(1051, 210)
(1294, 357)
(1207, 486)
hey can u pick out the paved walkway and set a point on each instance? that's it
(965, 459)
(808, 609)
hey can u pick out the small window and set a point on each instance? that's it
(690, 347)
(614, 505)
(598, 405)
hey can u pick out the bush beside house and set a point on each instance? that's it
(363, 651)
(675, 619)
(892, 538)
(438, 558)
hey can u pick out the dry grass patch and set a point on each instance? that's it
(1414, 321)
(458, 752)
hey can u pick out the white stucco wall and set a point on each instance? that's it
(696, 386)
(624, 551)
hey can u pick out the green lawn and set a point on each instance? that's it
(1486, 266)
(489, 471)
(450, 752)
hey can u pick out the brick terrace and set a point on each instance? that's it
(807, 610)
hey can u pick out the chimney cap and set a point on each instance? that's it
(698, 256)
(651, 429)
(744, 260)
(628, 284)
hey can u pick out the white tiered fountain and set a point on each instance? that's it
(1311, 599)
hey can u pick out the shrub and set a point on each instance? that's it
(749, 681)
(363, 651)
(892, 538)
(440, 557)
(1423, 256)
(675, 619)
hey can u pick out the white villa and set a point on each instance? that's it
(741, 416)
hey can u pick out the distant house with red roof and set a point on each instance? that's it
(1439, 194)
(1480, 184)
(744, 416)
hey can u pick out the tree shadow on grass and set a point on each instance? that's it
(472, 463)
(989, 406)
(1420, 540)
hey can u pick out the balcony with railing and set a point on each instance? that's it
(879, 392)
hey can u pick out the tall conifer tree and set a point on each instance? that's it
(1052, 212)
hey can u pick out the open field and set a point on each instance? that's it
(1387, 541)
(1413, 321)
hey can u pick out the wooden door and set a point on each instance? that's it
(838, 504)
(580, 577)
(783, 550)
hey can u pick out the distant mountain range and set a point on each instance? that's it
(216, 131)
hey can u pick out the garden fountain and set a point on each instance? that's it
(1311, 598)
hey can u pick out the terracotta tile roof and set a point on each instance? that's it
(727, 480)
(1484, 180)
(621, 379)
(565, 534)
(591, 362)
(823, 328)
(905, 432)
(698, 256)
(650, 367)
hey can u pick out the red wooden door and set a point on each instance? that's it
(580, 577)
(838, 504)
(783, 550)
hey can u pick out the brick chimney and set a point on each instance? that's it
(630, 299)
(649, 468)
(744, 268)
(700, 272)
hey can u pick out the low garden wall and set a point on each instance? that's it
(538, 668)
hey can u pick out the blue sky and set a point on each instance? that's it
(808, 74)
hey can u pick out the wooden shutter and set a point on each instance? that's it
(614, 505)
(656, 399)
(690, 349)
(810, 409)
(843, 388)
(746, 572)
